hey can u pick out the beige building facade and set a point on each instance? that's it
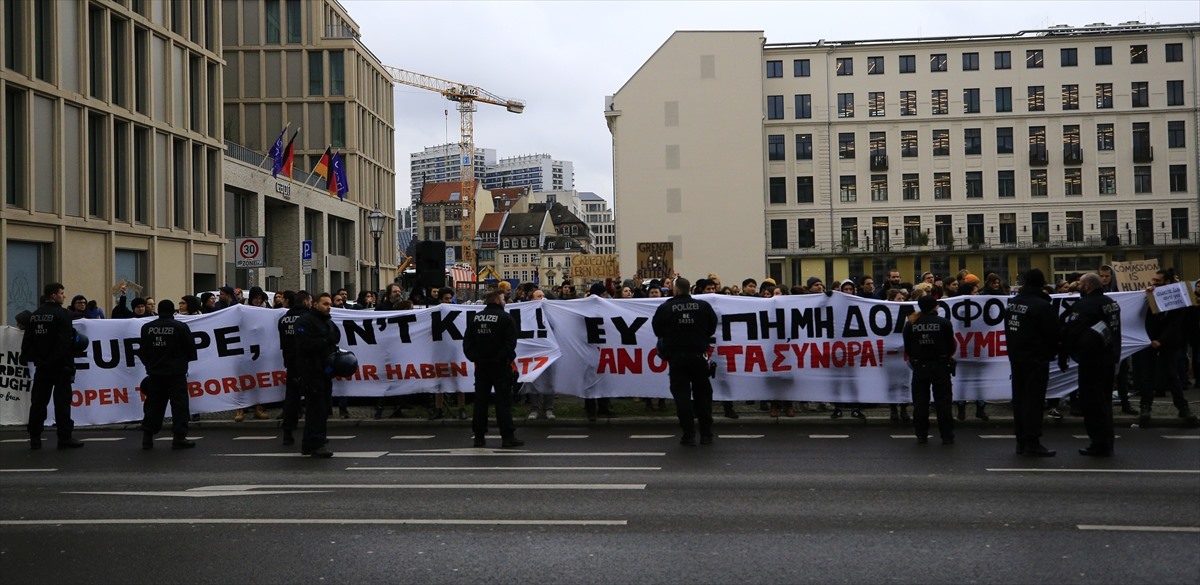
(1061, 149)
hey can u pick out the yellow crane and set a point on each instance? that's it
(465, 95)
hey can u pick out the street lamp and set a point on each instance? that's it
(375, 221)
(477, 241)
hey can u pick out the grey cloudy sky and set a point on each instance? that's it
(562, 58)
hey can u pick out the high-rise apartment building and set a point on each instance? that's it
(599, 219)
(1061, 149)
(443, 164)
(539, 172)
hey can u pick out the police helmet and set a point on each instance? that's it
(341, 363)
(80, 343)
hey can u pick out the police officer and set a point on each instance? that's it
(929, 343)
(1091, 334)
(48, 343)
(165, 349)
(684, 325)
(1031, 330)
(316, 340)
(299, 304)
(491, 344)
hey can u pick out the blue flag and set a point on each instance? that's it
(276, 153)
(338, 176)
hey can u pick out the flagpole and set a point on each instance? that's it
(292, 141)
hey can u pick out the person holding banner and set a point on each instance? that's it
(1091, 334)
(929, 343)
(1159, 363)
(316, 339)
(684, 325)
(166, 347)
(49, 344)
(1031, 331)
(491, 344)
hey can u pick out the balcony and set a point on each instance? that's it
(1143, 154)
(1038, 155)
(879, 162)
(1024, 242)
(1072, 154)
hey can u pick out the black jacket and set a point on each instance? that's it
(1031, 327)
(931, 337)
(166, 347)
(316, 339)
(287, 334)
(48, 340)
(1167, 328)
(491, 337)
(684, 325)
(1080, 340)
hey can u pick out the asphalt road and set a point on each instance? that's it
(603, 504)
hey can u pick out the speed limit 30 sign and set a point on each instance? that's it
(249, 253)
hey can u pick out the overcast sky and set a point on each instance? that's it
(562, 58)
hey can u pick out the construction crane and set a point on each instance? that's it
(466, 96)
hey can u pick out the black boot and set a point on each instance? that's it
(147, 440)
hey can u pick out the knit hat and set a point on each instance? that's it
(597, 289)
(970, 279)
(811, 281)
(926, 304)
(770, 281)
(138, 302)
(257, 292)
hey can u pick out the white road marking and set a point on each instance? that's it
(27, 470)
(25, 440)
(1139, 528)
(904, 436)
(259, 490)
(1181, 436)
(503, 469)
(169, 438)
(997, 436)
(484, 452)
(1036, 470)
(566, 436)
(253, 438)
(339, 437)
(102, 439)
(739, 436)
(829, 436)
(1086, 437)
(651, 436)
(338, 454)
(413, 437)
(366, 521)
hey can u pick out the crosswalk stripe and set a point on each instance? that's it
(102, 439)
(740, 436)
(997, 436)
(1086, 437)
(27, 470)
(413, 437)
(829, 436)
(1181, 436)
(340, 437)
(252, 438)
(1139, 528)
(566, 436)
(172, 439)
(504, 468)
(339, 521)
(651, 436)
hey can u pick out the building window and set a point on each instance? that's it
(1039, 224)
(1006, 184)
(879, 188)
(1074, 226)
(845, 66)
(1003, 99)
(908, 143)
(1070, 97)
(849, 231)
(1038, 183)
(316, 73)
(1174, 52)
(911, 186)
(912, 227)
(908, 63)
(293, 21)
(941, 143)
(1037, 98)
(779, 233)
(1139, 92)
(800, 68)
(1104, 96)
(1068, 57)
(941, 185)
(1144, 224)
(974, 184)
(1178, 178)
(875, 101)
(803, 106)
(1108, 225)
(846, 145)
(272, 11)
(804, 147)
(937, 62)
(337, 124)
(1004, 140)
(1104, 55)
(1141, 138)
(1073, 181)
(970, 61)
(806, 236)
(1108, 181)
(973, 138)
(1141, 180)
(941, 101)
(774, 69)
(775, 147)
(1033, 59)
(1008, 228)
(845, 105)
(1138, 54)
(849, 191)
(975, 228)
(804, 189)
(1175, 93)
(908, 103)
(1175, 134)
(1179, 223)
(874, 65)
(774, 107)
(1003, 60)
(943, 229)
(1105, 137)
(778, 190)
(971, 100)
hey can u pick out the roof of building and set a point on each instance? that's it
(523, 224)
(505, 198)
(559, 214)
(1062, 30)
(589, 196)
(441, 193)
(562, 243)
(491, 222)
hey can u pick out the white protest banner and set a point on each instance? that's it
(15, 379)
(1169, 297)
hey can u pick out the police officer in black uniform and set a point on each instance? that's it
(165, 349)
(1031, 331)
(684, 326)
(300, 304)
(491, 344)
(1091, 334)
(316, 340)
(48, 344)
(929, 343)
